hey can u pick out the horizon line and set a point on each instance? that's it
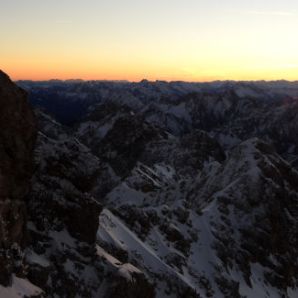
(152, 81)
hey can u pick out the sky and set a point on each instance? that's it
(190, 40)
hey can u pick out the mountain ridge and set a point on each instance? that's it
(162, 190)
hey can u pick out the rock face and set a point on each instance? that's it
(63, 214)
(17, 139)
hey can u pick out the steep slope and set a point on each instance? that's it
(68, 186)
(254, 219)
(17, 138)
(231, 235)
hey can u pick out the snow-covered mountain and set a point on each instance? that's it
(157, 189)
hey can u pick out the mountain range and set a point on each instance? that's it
(149, 189)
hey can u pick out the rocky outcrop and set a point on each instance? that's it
(65, 203)
(17, 138)
(125, 142)
(256, 195)
(62, 213)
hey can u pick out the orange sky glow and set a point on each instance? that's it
(192, 40)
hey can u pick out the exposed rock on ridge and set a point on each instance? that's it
(17, 138)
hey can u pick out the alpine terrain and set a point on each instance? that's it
(152, 189)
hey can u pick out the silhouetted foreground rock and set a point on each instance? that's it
(17, 138)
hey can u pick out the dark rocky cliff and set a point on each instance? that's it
(17, 137)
